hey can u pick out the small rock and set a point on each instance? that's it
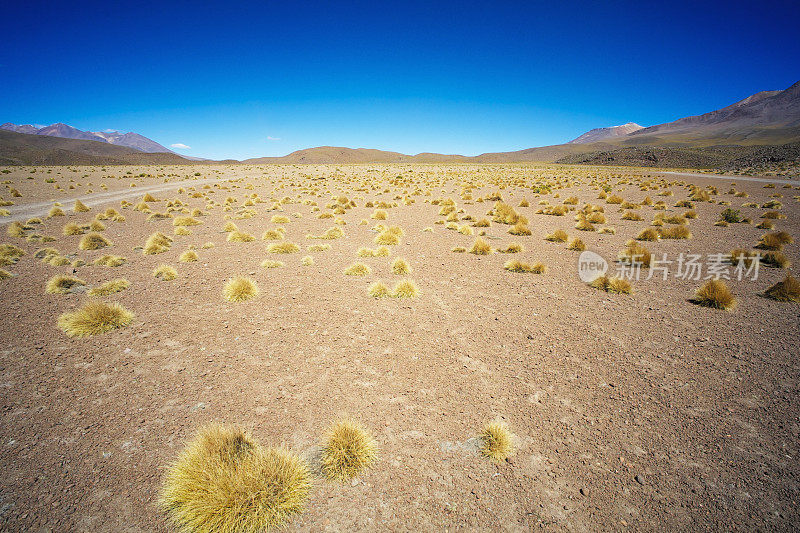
(584, 491)
(639, 479)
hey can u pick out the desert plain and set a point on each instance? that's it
(640, 411)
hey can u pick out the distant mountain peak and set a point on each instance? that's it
(601, 134)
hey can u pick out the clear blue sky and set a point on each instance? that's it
(245, 80)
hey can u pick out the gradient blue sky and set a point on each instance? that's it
(265, 78)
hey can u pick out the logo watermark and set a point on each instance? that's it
(684, 266)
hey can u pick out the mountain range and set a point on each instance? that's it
(767, 118)
(130, 139)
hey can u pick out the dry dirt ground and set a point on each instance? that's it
(640, 412)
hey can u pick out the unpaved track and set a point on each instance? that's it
(26, 211)
(738, 178)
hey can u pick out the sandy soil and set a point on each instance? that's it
(642, 412)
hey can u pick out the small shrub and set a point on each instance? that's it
(787, 290)
(347, 451)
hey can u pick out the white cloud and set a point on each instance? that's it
(273, 138)
(181, 146)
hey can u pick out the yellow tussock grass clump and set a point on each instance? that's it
(405, 289)
(387, 238)
(189, 256)
(80, 207)
(185, 221)
(357, 269)
(5, 274)
(458, 249)
(283, 248)
(157, 243)
(280, 219)
(400, 266)
(93, 241)
(272, 235)
(94, 318)
(307, 261)
(612, 284)
(496, 441)
(631, 215)
(110, 261)
(480, 247)
(55, 212)
(110, 287)
(676, 232)
(318, 247)
(787, 290)
(239, 289)
(577, 245)
(635, 253)
(648, 234)
(521, 267)
(348, 450)
(584, 225)
(239, 236)
(63, 284)
(379, 290)
(520, 228)
(715, 293)
(269, 263)
(71, 228)
(557, 236)
(182, 231)
(165, 273)
(512, 248)
(378, 214)
(775, 259)
(225, 482)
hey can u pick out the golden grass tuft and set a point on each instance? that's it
(520, 228)
(157, 243)
(379, 290)
(307, 261)
(612, 284)
(520, 267)
(5, 274)
(185, 221)
(347, 451)
(496, 441)
(512, 248)
(94, 318)
(189, 256)
(577, 245)
(55, 212)
(400, 266)
(80, 207)
(775, 259)
(165, 273)
(648, 234)
(269, 263)
(239, 289)
(635, 253)
(357, 269)
(240, 236)
(93, 241)
(405, 289)
(715, 293)
(676, 232)
(110, 287)
(787, 290)
(62, 284)
(223, 481)
(283, 248)
(272, 235)
(110, 261)
(280, 219)
(557, 236)
(387, 238)
(480, 247)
